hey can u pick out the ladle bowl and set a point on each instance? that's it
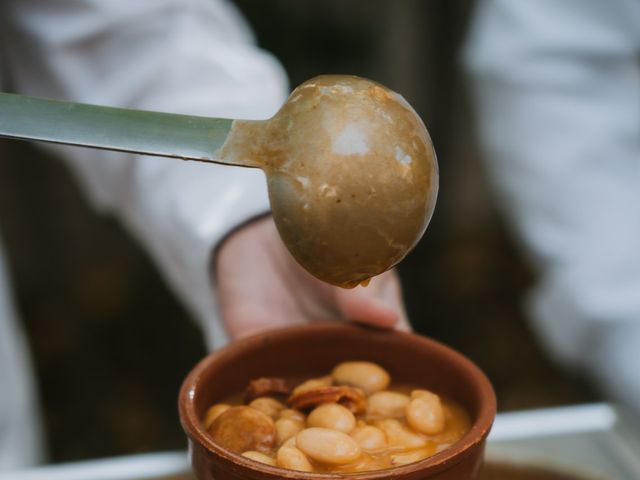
(351, 170)
(352, 175)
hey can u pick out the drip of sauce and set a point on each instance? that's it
(351, 172)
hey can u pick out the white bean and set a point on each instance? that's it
(400, 436)
(328, 446)
(368, 376)
(287, 428)
(369, 437)
(268, 406)
(333, 416)
(410, 457)
(292, 414)
(387, 404)
(425, 413)
(259, 457)
(312, 384)
(290, 442)
(293, 459)
(214, 412)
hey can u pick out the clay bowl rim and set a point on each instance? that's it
(479, 431)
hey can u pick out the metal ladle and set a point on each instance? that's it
(351, 171)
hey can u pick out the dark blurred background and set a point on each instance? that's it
(111, 343)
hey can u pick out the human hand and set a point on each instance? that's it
(261, 286)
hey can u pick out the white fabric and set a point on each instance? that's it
(20, 435)
(184, 56)
(193, 57)
(557, 89)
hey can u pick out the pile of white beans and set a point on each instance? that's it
(400, 425)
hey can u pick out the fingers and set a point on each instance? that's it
(357, 307)
(246, 318)
(391, 294)
(260, 286)
(403, 323)
(379, 304)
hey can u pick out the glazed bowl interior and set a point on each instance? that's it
(313, 350)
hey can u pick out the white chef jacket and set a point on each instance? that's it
(184, 56)
(557, 90)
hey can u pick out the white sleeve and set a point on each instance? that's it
(194, 57)
(557, 91)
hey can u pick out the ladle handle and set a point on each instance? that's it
(136, 131)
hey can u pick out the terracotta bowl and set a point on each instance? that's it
(313, 350)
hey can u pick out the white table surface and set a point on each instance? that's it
(596, 438)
